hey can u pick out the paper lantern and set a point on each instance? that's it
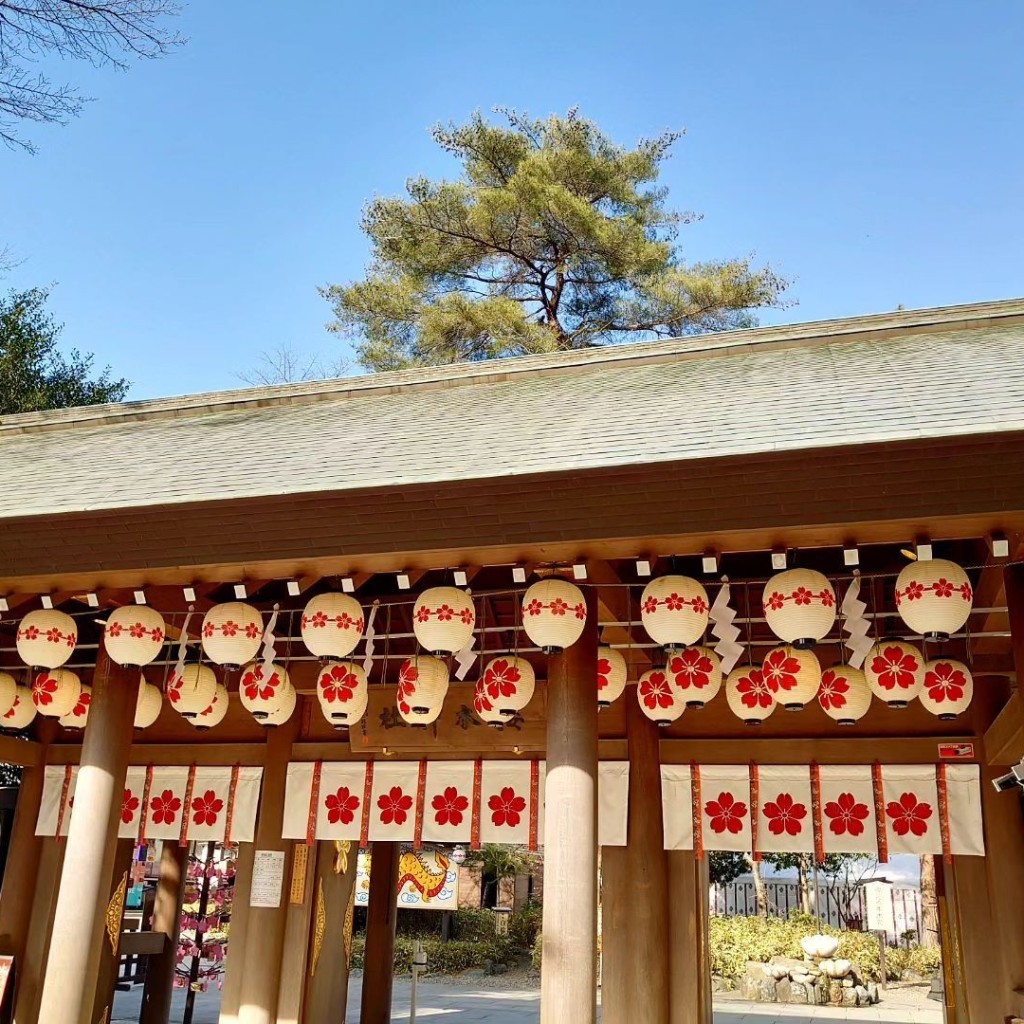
(285, 708)
(232, 633)
(443, 619)
(21, 713)
(55, 693)
(191, 692)
(895, 672)
(799, 606)
(332, 625)
(148, 705)
(262, 693)
(214, 714)
(46, 638)
(697, 672)
(485, 708)
(343, 693)
(793, 674)
(8, 692)
(844, 694)
(674, 611)
(611, 675)
(948, 688)
(934, 597)
(422, 688)
(750, 696)
(78, 716)
(659, 699)
(510, 682)
(554, 614)
(134, 634)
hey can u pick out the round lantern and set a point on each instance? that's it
(8, 692)
(134, 634)
(422, 688)
(749, 694)
(948, 688)
(343, 693)
(660, 700)
(285, 709)
(674, 611)
(485, 708)
(78, 716)
(215, 713)
(844, 694)
(895, 672)
(232, 633)
(793, 674)
(21, 712)
(554, 614)
(55, 693)
(148, 705)
(46, 638)
(799, 606)
(611, 676)
(934, 597)
(510, 682)
(697, 672)
(262, 693)
(191, 692)
(443, 619)
(332, 625)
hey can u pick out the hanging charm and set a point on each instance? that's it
(855, 622)
(371, 634)
(724, 629)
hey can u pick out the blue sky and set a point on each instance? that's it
(872, 152)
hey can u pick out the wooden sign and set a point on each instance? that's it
(300, 860)
(956, 751)
(267, 878)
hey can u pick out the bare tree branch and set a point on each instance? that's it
(284, 365)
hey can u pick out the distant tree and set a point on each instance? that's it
(103, 32)
(284, 365)
(725, 867)
(34, 374)
(553, 238)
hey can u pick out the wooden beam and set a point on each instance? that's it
(25, 753)
(1004, 739)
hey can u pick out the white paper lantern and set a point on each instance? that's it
(443, 619)
(612, 673)
(697, 672)
(8, 692)
(191, 692)
(793, 674)
(55, 693)
(78, 716)
(262, 693)
(21, 713)
(332, 625)
(660, 700)
(285, 708)
(844, 694)
(895, 672)
(485, 708)
(214, 714)
(134, 634)
(148, 705)
(750, 696)
(934, 597)
(510, 682)
(46, 638)
(948, 688)
(343, 693)
(232, 633)
(674, 611)
(799, 606)
(554, 614)
(422, 687)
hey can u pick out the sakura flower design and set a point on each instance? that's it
(945, 683)
(341, 806)
(833, 691)
(909, 815)
(780, 669)
(256, 688)
(165, 807)
(846, 815)
(129, 805)
(43, 688)
(449, 806)
(895, 667)
(506, 808)
(726, 814)
(691, 668)
(338, 684)
(394, 806)
(655, 691)
(502, 679)
(785, 815)
(757, 691)
(205, 808)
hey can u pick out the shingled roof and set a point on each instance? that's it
(909, 375)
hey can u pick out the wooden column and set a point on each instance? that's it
(634, 908)
(170, 888)
(381, 917)
(689, 961)
(73, 963)
(235, 966)
(569, 970)
(109, 951)
(296, 935)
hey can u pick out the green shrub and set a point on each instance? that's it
(473, 925)
(535, 954)
(443, 957)
(524, 926)
(925, 960)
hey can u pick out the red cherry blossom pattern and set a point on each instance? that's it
(895, 667)
(394, 806)
(129, 805)
(655, 691)
(781, 668)
(675, 603)
(604, 670)
(801, 596)
(846, 815)
(502, 679)
(833, 692)
(43, 688)
(557, 606)
(255, 687)
(945, 683)
(205, 808)
(785, 815)
(445, 613)
(407, 678)
(691, 668)
(941, 588)
(338, 684)
(165, 807)
(506, 808)
(908, 814)
(480, 699)
(341, 806)
(449, 806)
(726, 814)
(757, 691)
(81, 709)
(52, 636)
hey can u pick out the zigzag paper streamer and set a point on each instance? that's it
(268, 642)
(370, 634)
(722, 616)
(465, 659)
(855, 623)
(179, 668)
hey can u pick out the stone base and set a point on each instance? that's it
(787, 980)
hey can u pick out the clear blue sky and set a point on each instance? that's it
(871, 151)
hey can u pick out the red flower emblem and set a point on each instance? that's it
(341, 806)
(165, 808)
(846, 815)
(158, 635)
(655, 691)
(129, 805)
(942, 588)
(318, 620)
(338, 683)
(445, 613)
(535, 607)
(54, 636)
(345, 621)
(115, 629)
(450, 806)
(209, 629)
(137, 631)
(802, 596)
(965, 591)
(229, 628)
(675, 603)
(205, 808)
(174, 687)
(29, 633)
(14, 707)
(502, 679)
(909, 815)
(604, 668)
(775, 601)
(827, 598)
(780, 669)
(480, 701)
(945, 682)
(691, 668)
(407, 677)
(43, 689)
(394, 806)
(757, 691)
(423, 613)
(834, 689)
(254, 687)
(699, 605)
(913, 591)
(82, 707)
(558, 606)
(506, 807)
(467, 616)
(895, 667)
(253, 630)
(581, 611)
(784, 814)
(726, 813)
(650, 605)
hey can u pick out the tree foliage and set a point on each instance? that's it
(34, 374)
(725, 867)
(553, 238)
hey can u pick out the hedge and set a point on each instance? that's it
(443, 957)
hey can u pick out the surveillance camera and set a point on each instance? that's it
(1014, 777)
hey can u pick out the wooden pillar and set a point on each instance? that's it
(296, 934)
(109, 951)
(689, 959)
(170, 888)
(73, 962)
(235, 966)
(634, 908)
(381, 917)
(569, 969)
